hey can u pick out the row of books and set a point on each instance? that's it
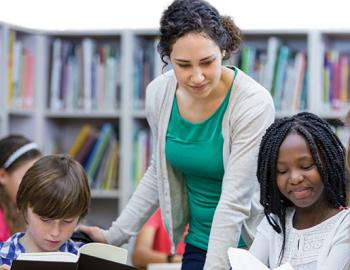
(20, 75)
(336, 90)
(141, 153)
(85, 75)
(147, 65)
(98, 151)
(343, 134)
(280, 69)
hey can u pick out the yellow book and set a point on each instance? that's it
(111, 173)
(79, 140)
(10, 67)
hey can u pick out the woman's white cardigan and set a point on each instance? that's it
(249, 112)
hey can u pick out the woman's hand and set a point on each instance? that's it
(95, 233)
(4, 267)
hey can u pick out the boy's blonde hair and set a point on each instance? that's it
(55, 187)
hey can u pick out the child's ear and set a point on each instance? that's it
(3, 177)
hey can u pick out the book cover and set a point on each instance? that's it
(273, 45)
(55, 102)
(87, 146)
(79, 140)
(98, 151)
(91, 256)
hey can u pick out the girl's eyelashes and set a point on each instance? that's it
(281, 171)
(307, 167)
(303, 167)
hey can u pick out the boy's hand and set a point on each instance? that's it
(95, 233)
(4, 267)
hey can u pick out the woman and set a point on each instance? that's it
(206, 121)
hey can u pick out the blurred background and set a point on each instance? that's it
(121, 14)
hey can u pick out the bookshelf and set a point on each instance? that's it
(56, 117)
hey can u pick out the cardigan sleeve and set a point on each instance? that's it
(251, 116)
(144, 200)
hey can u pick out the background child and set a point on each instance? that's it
(348, 152)
(153, 244)
(17, 154)
(302, 178)
(52, 197)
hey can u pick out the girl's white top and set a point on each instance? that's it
(325, 246)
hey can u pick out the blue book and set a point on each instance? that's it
(98, 151)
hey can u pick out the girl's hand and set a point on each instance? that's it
(4, 267)
(176, 259)
(95, 233)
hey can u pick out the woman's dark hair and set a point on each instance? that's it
(327, 152)
(197, 16)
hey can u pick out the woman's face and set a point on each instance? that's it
(196, 60)
(11, 180)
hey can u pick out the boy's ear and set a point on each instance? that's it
(3, 176)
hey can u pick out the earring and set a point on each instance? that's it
(223, 53)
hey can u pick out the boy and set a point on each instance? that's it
(52, 197)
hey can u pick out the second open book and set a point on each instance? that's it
(241, 259)
(91, 256)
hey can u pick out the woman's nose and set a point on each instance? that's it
(197, 76)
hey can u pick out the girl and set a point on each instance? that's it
(348, 152)
(17, 154)
(302, 178)
(206, 121)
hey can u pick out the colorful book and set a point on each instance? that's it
(98, 151)
(87, 146)
(79, 140)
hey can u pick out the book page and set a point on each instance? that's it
(105, 251)
(48, 257)
(241, 259)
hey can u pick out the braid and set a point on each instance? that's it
(327, 152)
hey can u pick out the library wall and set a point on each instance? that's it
(83, 93)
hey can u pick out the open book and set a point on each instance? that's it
(91, 256)
(241, 259)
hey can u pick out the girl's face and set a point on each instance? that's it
(297, 175)
(196, 61)
(11, 180)
(47, 235)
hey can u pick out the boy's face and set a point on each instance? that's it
(44, 235)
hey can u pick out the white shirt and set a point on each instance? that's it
(325, 246)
